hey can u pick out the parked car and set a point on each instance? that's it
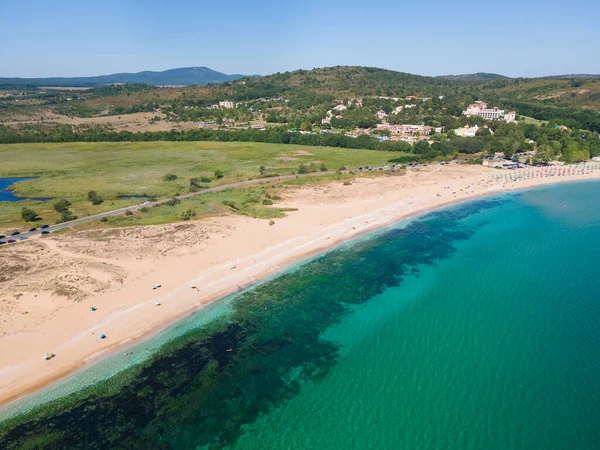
(45, 232)
(33, 229)
(15, 233)
(44, 227)
(22, 238)
(11, 241)
(2, 242)
(2, 236)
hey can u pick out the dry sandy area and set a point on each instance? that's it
(47, 286)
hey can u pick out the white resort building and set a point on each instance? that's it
(481, 109)
(467, 131)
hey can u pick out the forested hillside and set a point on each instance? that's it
(348, 104)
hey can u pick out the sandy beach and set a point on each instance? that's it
(49, 286)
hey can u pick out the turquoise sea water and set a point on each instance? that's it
(473, 327)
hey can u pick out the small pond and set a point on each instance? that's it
(127, 197)
(6, 195)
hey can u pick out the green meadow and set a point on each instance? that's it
(70, 170)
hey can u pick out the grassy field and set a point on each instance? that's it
(114, 170)
(533, 121)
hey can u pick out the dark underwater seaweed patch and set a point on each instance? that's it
(201, 389)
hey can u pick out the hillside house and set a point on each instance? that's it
(466, 131)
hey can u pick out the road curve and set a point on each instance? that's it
(116, 212)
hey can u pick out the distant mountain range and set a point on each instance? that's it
(174, 77)
(574, 75)
(484, 76)
(200, 76)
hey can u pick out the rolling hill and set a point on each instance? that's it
(479, 76)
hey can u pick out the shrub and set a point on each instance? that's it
(475, 161)
(128, 213)
(29, 215)
(143, 209)
(153, 199)
(271, 222)
(94, 198)
(208, 180)
(219, 174)
(303, 169)
(187, 215)
(172, 202)
(276, 197)
(323, 168)
(262, 170)
(343, 168)
(267, 201)
(67, 216)
(347, 183)
(196, 183)
(170, 177)
(230, 204)
(61, 205)
(104, 219)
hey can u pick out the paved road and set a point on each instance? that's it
(116, 212)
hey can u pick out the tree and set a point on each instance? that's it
(509, 148)
(219, 174)
(488, 150)
(306, 126)
(61, 205)
(94, 198)
(66, 216)
(323, 168)
(545, 152)
(262, 170)
(483, 131)
(420, 148)
(29, 215)
(575, 151)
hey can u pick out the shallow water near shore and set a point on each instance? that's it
(475, 326)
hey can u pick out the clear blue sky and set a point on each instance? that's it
(434, 37)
